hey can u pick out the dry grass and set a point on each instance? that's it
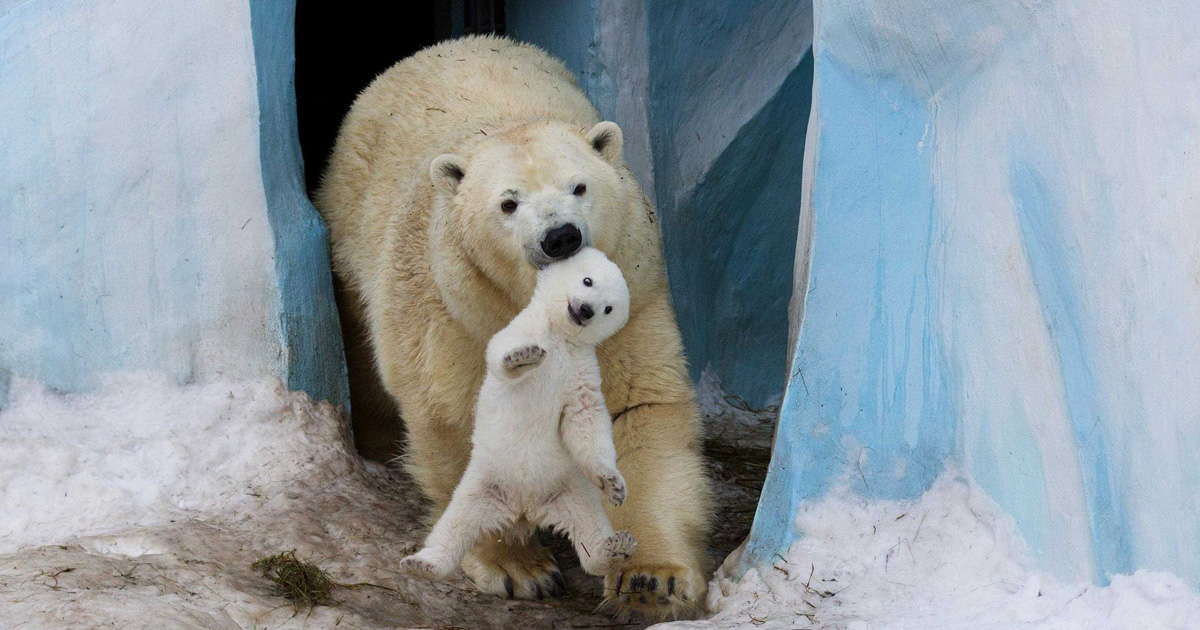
(298, 581)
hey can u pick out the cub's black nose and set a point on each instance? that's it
(586, 312)
(562, 241)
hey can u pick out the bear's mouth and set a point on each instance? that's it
(574, 316)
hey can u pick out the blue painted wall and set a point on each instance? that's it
(309, 318)
(152, 215)
(714, 100)
(1004, 274)
(569, 31)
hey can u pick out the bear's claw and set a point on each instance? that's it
(517, 571)
(657, 591)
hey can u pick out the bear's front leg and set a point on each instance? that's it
(657, 431)
(666, 509)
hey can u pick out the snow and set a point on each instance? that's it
(949, 560)
(142, 506)
(113, 460)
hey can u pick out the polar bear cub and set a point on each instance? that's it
(542, 450)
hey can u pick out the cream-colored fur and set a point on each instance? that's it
(415, 195)
(542, 444)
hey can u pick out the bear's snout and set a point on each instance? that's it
(585, 311)
(562, 241)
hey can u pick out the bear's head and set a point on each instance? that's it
(533, 194)
(585, 296)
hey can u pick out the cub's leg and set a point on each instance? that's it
(586, 430)
(578, 514)
(477, 508)
(437, 396)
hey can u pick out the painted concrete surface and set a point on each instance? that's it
(312, 336)
(1004, 271)
(138, 230)
(713, 98)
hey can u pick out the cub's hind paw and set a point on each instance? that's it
(613, 486)
(521, 359)
(422, 566)
(618, 548)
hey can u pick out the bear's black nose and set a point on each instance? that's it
(585, 312)
(562, 241)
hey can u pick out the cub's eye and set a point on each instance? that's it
(587, 282)
(607, 310)
(509, 206)
(579, 190)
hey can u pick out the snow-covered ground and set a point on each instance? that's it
(142, 506)
(949, 560)
(144, 453)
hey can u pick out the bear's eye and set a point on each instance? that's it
(607, 310)
(587, 282)
(579, 190)
(509, 206)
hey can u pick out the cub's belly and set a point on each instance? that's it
(529, 468)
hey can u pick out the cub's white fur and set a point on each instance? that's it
(543, 449)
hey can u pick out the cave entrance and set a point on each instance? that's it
(340, 49)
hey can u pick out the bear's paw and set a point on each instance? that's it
(522, 359)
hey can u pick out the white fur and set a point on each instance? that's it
(543, 449)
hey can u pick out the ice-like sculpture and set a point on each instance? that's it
(152, 208)
(1000, 264)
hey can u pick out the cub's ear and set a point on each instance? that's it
(447, 171)
(607, 140)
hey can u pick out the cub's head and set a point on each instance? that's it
(586, 296)
(532, 195)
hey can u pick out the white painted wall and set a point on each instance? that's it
(134, 225)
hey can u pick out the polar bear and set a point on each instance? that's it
(542, 449)
(456, 175)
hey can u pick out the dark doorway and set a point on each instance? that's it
(342, 47)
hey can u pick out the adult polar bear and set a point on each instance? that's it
(456, 174)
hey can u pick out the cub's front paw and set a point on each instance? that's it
(612, 484)
(520, 360)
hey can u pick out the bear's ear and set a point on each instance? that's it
(607, 140)
(447, 171)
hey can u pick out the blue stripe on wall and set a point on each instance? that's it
(312, 336)
(1053, 265)
(868, 400)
